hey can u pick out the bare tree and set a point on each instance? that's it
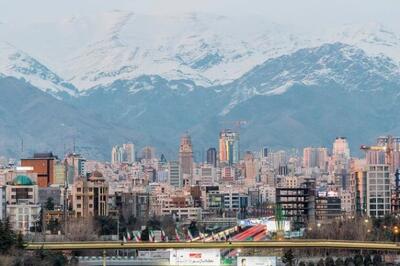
(81, 229)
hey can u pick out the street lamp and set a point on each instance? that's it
(395, 232)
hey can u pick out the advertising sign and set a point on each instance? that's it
(154, 254)
(195, 257)
(256, 261)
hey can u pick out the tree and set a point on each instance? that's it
(339, 262)
(193, 229)
(153, 223)
(377, 260)
(54, 226)
(329, 261)
(50, 204)
(107, 225)
(310, 263)
(301, 263)
(20, 241)
(7, 237)
(349, 261)
(358, 260)
(81, 229)
(288, 258)
(321, 262)
(145, 234)
(367, 260)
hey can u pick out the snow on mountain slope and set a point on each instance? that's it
(374, 38)
(204, 48)
(207, 49)
(345, 66)
(16, 63)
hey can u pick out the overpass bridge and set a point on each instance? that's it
(295, 244)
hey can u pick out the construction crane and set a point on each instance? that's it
(388, 145)
(238, 124)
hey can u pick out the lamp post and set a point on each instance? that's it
(395, 232)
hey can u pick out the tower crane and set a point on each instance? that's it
(238, 124)
(389, 145)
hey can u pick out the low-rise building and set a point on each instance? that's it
(23, 208)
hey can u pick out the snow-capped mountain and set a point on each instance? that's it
(204, 48)
(133, 76)
(374, 38)
(207, 49)
(16, 63)
(337, 63)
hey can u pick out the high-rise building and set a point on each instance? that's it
(277, 159)
(3, 202)
(23, 208)
(75, 166)
(117, 154)
(148, 153)
(378, 190)
(212, 156)
(315, 157)
(251, 168)
(358, 187)
(43, 165)
(175, 178)
(341, 148)
(265, 152)
(129, 152)
(60, 172)
(229, 152)
(90, 197)
(123, 154)
(186, 156)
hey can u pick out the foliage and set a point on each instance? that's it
(367, 260)
(145, 234)
(54, 225)
(329, 261)
(50, 204)
(339, 262)
(358, 260)
(377, 260)
(349, 261)
(321, 262)
(7, 237)
(288, 258)
(107, 225)
(193, 229)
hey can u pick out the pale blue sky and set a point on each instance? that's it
(308, 13)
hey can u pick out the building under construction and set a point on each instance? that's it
(297, 204)
(387, 151)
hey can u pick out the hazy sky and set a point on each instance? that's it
(307, 13)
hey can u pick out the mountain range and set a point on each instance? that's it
(149, 79)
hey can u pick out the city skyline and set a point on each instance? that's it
(202, 133)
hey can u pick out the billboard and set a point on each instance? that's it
(256, 261)
(270, 223)
(154, 254)
(195, 257)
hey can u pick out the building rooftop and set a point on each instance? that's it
(22, 180)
